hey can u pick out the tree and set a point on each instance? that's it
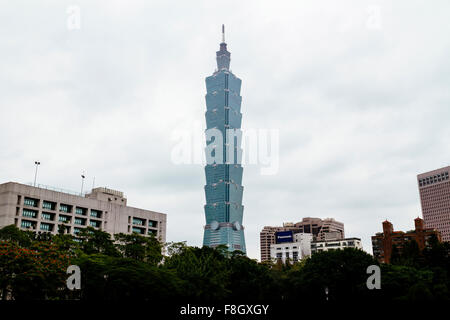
(403, 282)
(203, 272)
(115, 278)
(96, 241)
(137, 247)
(37, 272)
(343, 272)
(14, 234)
(249, 280)
(409, 256)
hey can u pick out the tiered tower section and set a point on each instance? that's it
(223, 190)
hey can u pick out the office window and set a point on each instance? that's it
(28, 224)
(48, 205)
(95, 224)
(152, 224)
(80, 211)
(64, 218)
(138, 230)
(96, 213)
(46, 226)
(30, 202)
(47, 216)
(65, 208)
(80, 221)
(139, 221)
(29, 213)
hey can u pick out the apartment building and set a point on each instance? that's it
(383, 242)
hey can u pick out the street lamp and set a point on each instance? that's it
(37, 163)
(82, 182)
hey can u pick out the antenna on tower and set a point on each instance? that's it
(223, 33)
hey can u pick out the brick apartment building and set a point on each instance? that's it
(383, 242)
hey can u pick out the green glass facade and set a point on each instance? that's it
(223, 190)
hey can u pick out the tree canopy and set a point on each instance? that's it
(137, 268)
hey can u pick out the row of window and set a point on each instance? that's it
(287, 256)
(143, 222)
(433, 179)
(142, 231)
(65, 208)
(61, 218)
(30, 202)
(49, 227)
(29, 213)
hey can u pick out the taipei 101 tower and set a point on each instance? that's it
(223, 190)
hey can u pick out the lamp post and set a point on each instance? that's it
(37, 163)
(82, 183)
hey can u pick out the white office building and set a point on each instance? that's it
(41, 209)
(292, 251)
(317, 246)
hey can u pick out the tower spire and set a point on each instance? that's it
(223, 56)
(223, 33)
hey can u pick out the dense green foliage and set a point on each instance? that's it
(132, 267)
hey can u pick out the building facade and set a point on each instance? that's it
(267, 237)
(292, 251)
(327, 245)
(321, 230)
(223, 189)
(43, 210)
(383, 242)
(434, 189)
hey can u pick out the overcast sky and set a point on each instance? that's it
(359, 91)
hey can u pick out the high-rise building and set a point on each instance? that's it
(384, 242)
(223, 190)
(48, 210)
(434, 189)
(321, 230)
